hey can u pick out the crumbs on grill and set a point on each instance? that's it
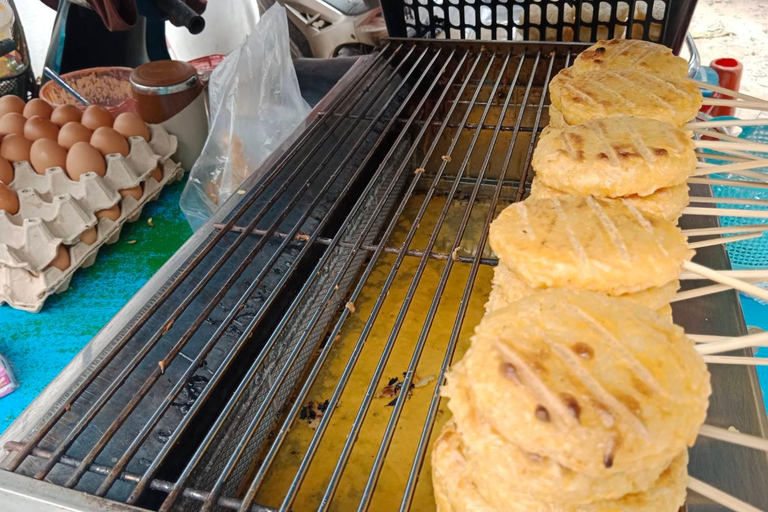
(313, 412)
(395, 385)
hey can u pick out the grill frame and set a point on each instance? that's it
(514, 189)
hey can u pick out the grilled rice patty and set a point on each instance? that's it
(631, 54)
(598, 384)
(614, 157)
(624, 92)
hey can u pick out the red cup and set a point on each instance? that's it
(729, 72)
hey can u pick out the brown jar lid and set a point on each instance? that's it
(164, 77)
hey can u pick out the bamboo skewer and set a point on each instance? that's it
(728, 158)
(726, 212)
(729, 436)
(707, 338)
(739, 361)
(722, 278)
(721, 135)
(737, 343)
(723, 90)
(749, 104)
(728, 183)
(755, 275)
(701, 291)
(726, 144)
(724, 240)
(719, 496)
(721, 230)
(732, 168)
(729, 200)
(725, 123)
(706, 170)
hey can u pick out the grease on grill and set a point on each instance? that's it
(395, 385)
(192, 390)
(313, 412)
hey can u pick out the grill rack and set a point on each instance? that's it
(411, 97)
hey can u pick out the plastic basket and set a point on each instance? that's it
(22, 84)
(663, 21)
(753, 253)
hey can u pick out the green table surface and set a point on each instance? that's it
(40, 345)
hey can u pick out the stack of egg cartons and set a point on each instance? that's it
(68, 182)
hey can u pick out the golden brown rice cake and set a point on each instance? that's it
(583, 243)
(614, 157)
(598, 384)
(456, 491)
(667, 203)
(624, 92)
(631, 54)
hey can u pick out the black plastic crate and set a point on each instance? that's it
(662, 21)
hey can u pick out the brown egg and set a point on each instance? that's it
(61, 261)
(72, 133)
(6, 171)
(66, 114)
(112, 213)
(15, 148)
(83, 158)
(158, 174)
(38, 127)
(45, 154)
(131, 125)
(9, 201)
(89, 236)
(134, 192)
(109, 142)
(96, 116)
(12, 122)
(38, 107)
(11, 103)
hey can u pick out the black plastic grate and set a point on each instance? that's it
(663, 21)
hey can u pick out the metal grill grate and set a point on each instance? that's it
(293, 362)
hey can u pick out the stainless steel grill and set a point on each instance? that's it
(290, 357)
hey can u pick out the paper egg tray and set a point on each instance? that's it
(55, 210)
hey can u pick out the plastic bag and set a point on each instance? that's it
(256, 104)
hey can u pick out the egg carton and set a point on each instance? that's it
(55, 209)
(28, 291)
(29, 244)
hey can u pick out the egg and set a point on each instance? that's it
(6, 171)
(72, 133)
(9, 201)
(12, 122)
(109, 142)
(96, 116)
(134, 192)
(61, 261)
(38, 107)
(158, 174)
(112, 213)
(11, 103)
(45, 154)
(89, 236)
(15, 148)
(83, 158)
(131, 125)
(38, 127)
(66, 114)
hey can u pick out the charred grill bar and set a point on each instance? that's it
(193, 393)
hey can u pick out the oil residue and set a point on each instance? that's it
(400, 457)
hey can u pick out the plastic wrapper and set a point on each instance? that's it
(7, 381)
(256, 104)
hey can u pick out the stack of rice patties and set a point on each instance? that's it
(624, 78)
(584, 243)
(571, 402)
(645, 161)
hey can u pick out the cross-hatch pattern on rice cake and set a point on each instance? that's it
(631, 54)
(615, 157)
(579, 242)
(619, 92)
